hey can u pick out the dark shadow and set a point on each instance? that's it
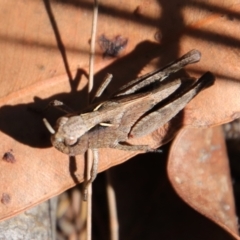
(214, 37)
(73, 169)
(73, 82)
(122, 69)
(146, 198)
(23, 122)
(233, 142)
(58, 37)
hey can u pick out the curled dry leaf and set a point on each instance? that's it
(199, 172)
(37, 54)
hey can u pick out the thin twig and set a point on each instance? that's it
(89, 196)
(112, 206)
(92, 47)
(90, 86)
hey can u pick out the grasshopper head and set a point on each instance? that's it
(67, 130)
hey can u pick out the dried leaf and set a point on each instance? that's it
(40, 51)
(199, 172)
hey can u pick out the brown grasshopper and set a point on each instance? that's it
(137, 109)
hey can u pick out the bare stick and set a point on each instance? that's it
(90, 86)
(88, 196)
(92, 47)
(113, 218)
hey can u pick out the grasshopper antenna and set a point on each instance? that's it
(48, 126)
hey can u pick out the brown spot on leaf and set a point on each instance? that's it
(112, 47)
(6, 199)
(9, 157)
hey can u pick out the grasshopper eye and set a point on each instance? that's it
(56, 138)
(59, 139)
(70, 141)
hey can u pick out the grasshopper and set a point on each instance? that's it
(136, 109)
